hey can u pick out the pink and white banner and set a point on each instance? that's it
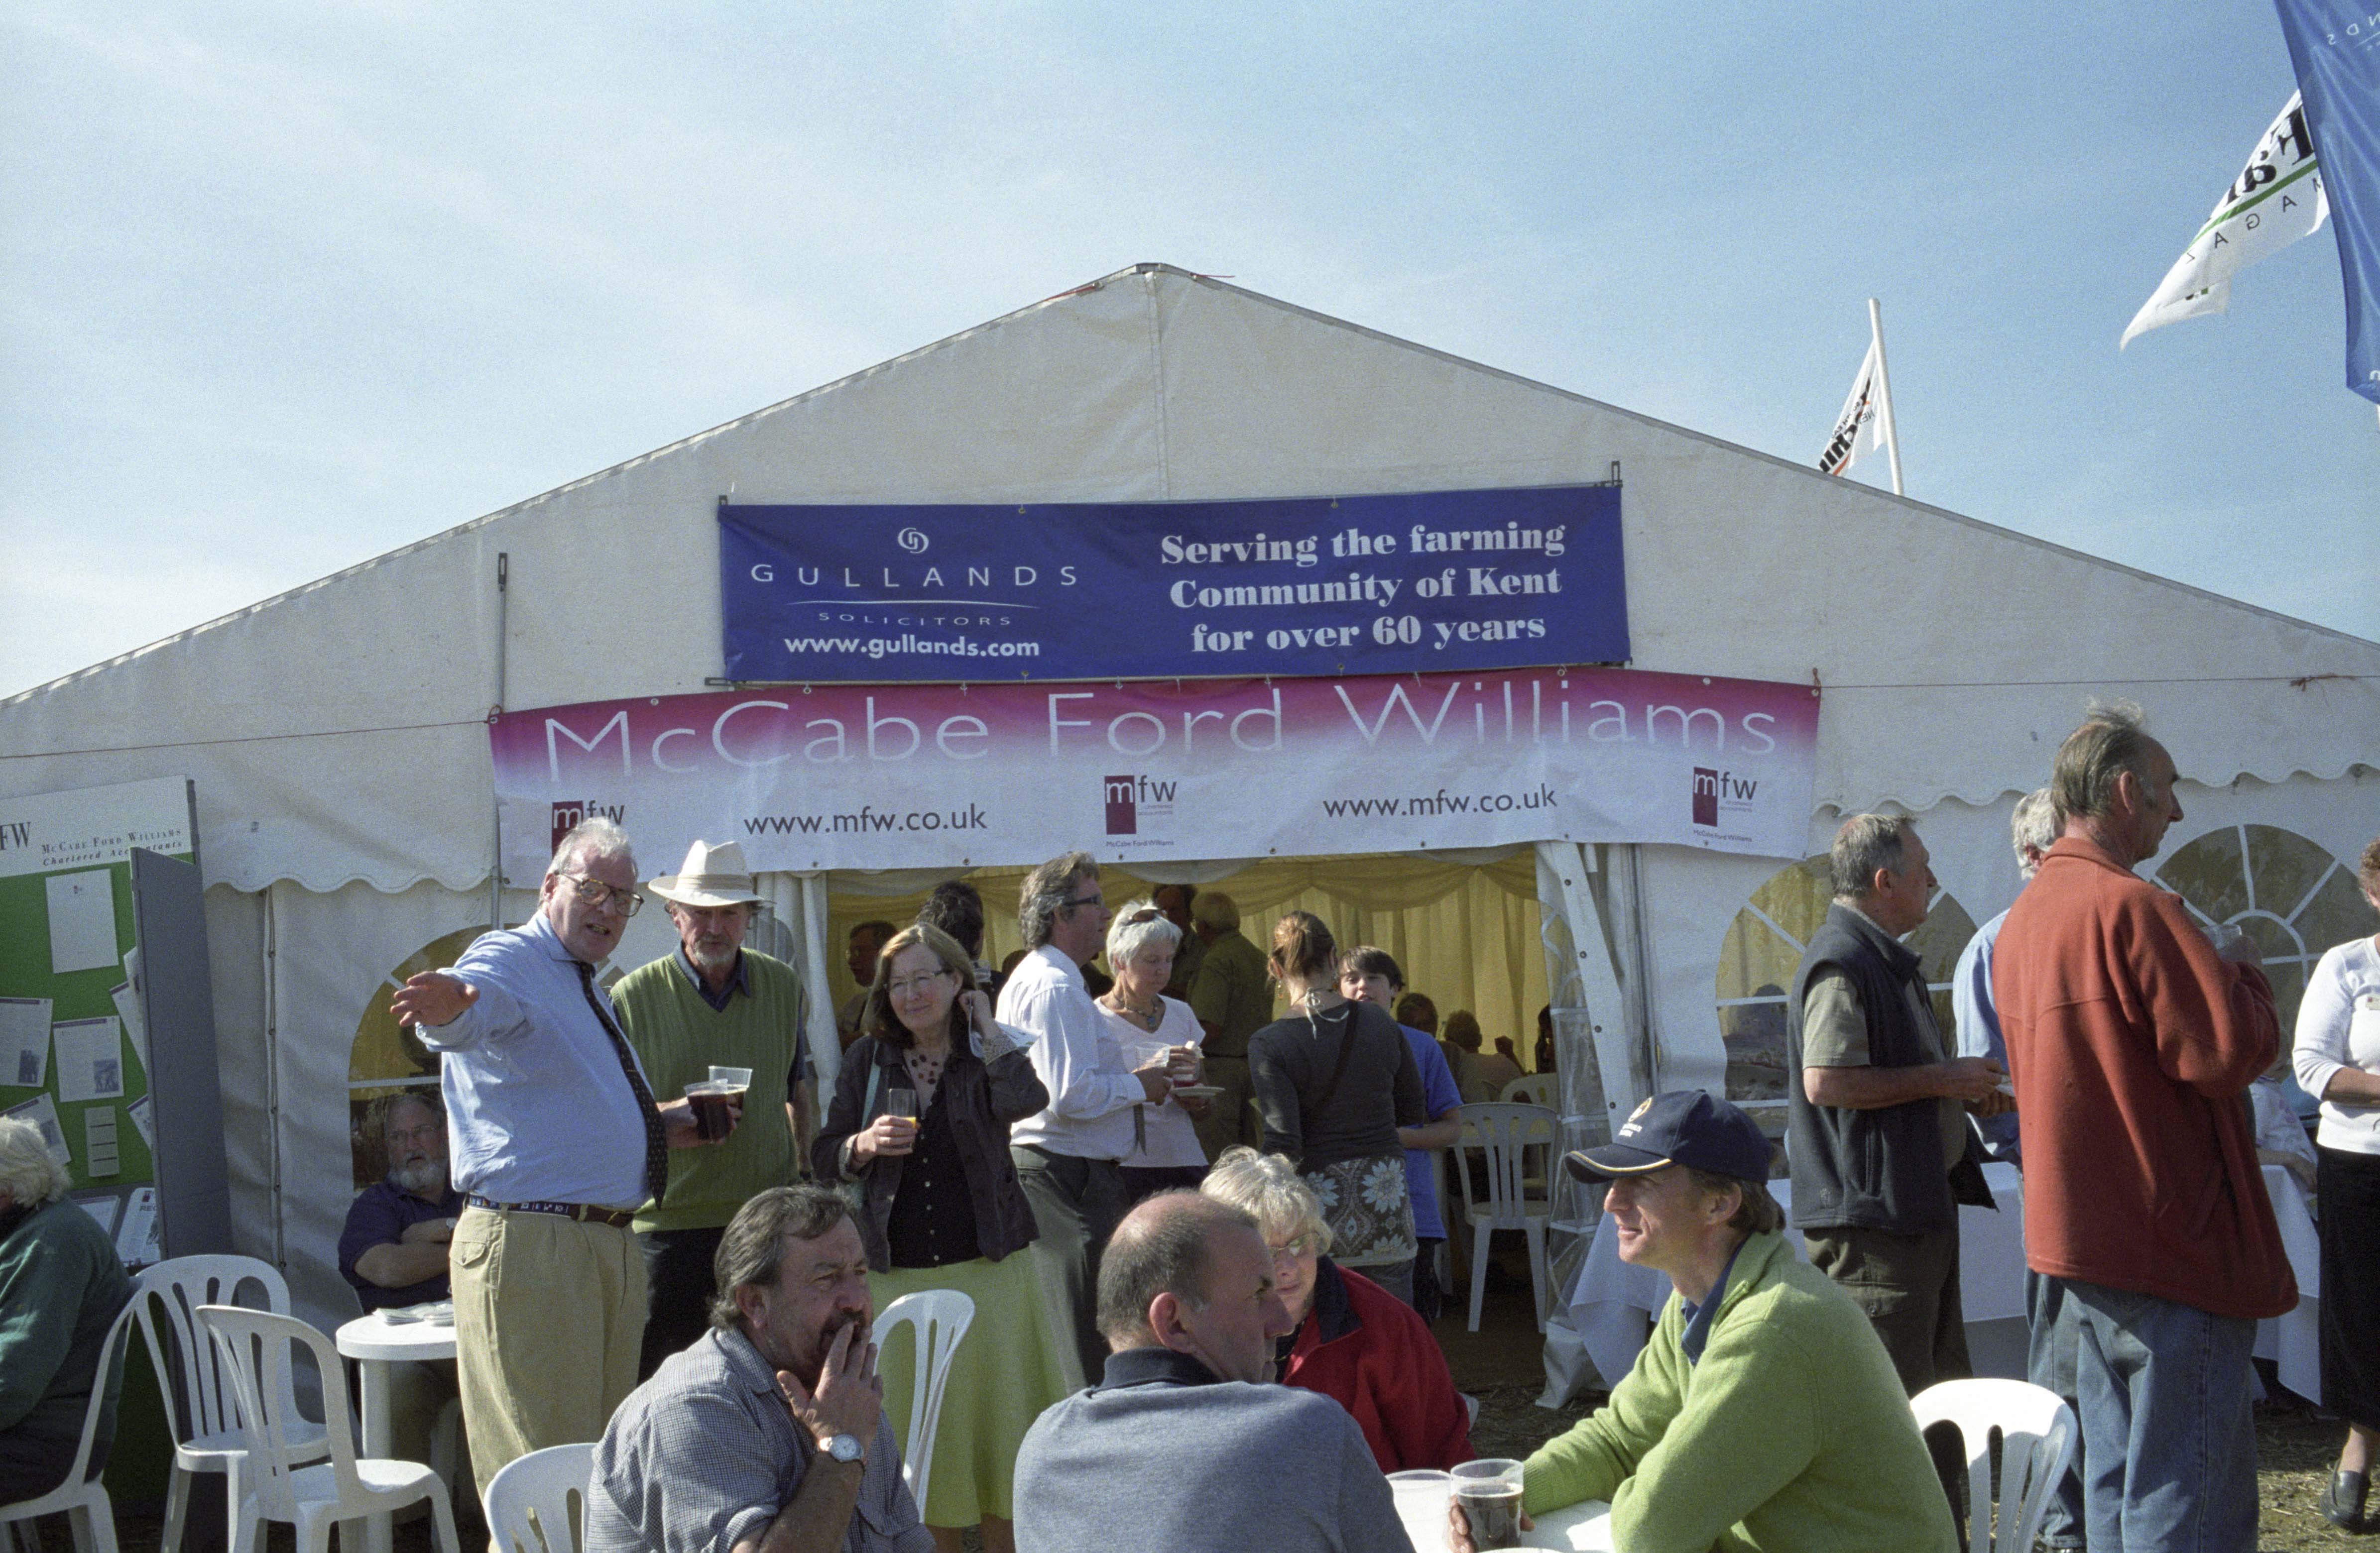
(948, 775)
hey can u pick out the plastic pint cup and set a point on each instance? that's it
(713, 1120)
(1490, 1494)
(1420, 1498)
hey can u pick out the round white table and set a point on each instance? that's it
(375, 1345)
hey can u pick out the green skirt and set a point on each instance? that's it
(1007, 1369)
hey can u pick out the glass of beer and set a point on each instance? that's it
(711, 1121)
(1489, 1492)
(732, 1083)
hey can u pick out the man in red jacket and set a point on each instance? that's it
(2131, 1039)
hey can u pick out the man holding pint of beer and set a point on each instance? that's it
(1765, 1410)
(723, 1025)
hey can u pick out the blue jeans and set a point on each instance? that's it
(2169, 1436)
(2049, 1364)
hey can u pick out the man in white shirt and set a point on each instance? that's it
(1068, 1155)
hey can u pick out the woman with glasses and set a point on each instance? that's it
(1355, 1342)
(919, 1122)
(1334, 1081)
(1152, 1027)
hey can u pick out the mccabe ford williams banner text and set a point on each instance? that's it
(925, 776)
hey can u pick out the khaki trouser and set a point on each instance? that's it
(548, 1314)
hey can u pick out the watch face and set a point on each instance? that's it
(845, 1448)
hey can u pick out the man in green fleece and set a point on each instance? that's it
(60, 1290)
(1765, 1414)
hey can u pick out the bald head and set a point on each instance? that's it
(1164, 1246)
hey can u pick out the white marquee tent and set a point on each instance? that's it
(344, 783)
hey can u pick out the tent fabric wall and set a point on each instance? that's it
(326, 752)
(1691, 896)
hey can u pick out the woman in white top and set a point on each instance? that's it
(2338, 1062)
(1150, 1027)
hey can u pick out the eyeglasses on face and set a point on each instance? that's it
(624, 899)
(913, 986)
(1308, 1244)
(1069, 905)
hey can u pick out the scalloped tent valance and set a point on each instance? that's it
(335, 731)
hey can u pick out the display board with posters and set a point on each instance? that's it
(105, 1012)
(74, 1043)
(921, 776)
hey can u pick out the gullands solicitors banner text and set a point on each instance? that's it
(1425, 582)
(912, 776)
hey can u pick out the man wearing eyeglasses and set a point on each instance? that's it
(1069, 1157)
(556, 1140)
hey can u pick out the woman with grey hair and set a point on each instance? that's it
(1150, 1027)
(1355, 1342)
(61, 1287)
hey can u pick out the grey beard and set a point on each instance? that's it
(427, 1179)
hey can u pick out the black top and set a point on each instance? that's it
(1318, 1124)
(934, 1214)
(1882, 1168)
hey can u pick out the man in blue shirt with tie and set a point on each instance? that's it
(556, 1140)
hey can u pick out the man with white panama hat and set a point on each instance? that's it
(713, 1002)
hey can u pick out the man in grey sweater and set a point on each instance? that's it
(1184, 1445)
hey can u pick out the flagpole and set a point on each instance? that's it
(1884, 395)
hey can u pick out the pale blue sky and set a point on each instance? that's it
(284, 287)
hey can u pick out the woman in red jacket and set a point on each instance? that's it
(1355, 1342)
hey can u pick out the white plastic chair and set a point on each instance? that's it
(1531, 1089)
(538, 1503)
(82, 1496)
(207, 1436)
(256, 1347)
(2037, 1434)
(1505, 1134)
(938, 1318)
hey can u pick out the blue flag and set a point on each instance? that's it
(2335, 47)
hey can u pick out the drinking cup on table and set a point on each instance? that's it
(713, 1120)
(1488, 1493)
(1420, 1497)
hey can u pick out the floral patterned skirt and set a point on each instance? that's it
(1364, 1203)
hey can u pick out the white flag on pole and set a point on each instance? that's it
(1858, 428)
(2275, 200)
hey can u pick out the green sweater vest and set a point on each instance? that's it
(679, 1038)
(1792, 1436)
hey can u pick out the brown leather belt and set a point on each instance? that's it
(586, 1213)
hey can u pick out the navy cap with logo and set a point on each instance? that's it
(1682, 1127)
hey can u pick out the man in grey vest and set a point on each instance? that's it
(1879, 1136)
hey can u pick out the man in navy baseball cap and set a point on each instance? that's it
(1764, 1413)
(1682, 1127)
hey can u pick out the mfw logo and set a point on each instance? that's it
(16, 834)
(1711, 786)
(569, 817)
(1129, 797)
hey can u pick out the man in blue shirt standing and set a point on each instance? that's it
(557, 1141)
(1368, 975)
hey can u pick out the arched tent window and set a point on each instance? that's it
(2287, 892)
(1763, 948)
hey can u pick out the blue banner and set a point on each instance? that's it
(2335, 47)
(1436, 581)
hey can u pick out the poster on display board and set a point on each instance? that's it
(74, 1043)
(1425, 582)
(928, 776)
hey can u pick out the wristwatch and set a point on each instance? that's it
(844, 1448)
